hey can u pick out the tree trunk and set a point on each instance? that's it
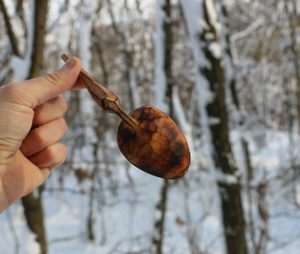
(258, 229)
(40, 17)
(128, 53)
(159, 226)
(9, 30)
(33, 207)
(167, 58)
(230, 191)
(230, 77)
(34, 214)
(211, 77)
(292, 21)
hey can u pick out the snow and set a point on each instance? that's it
(212, 15)
(16, 231)
(160, 85)
(84, 35)
(191, 11)
(134, 88)
(17, 64)
(242, 34)
(216, 50)
(125, 197)
(226, 178)
(128, 225)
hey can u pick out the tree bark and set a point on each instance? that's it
(292, 21)
(10, 32)
(128, 53)
(34, 214)
(40, 17)
(230, 192)
(159, 226)
(206, 38)
(168, 57)
(33, 207)
(230, 78)
(161, 207)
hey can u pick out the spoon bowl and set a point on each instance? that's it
(157, 146)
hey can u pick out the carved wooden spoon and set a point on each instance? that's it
(147, 137)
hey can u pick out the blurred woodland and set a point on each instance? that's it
(227, 71)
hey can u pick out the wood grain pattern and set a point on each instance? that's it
(159, 148)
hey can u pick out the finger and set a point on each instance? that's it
(29, 176)
(42, 175)
(43, 136)
(52, 156)
(49, 111)
(39, 90)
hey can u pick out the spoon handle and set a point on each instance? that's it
(105, 98)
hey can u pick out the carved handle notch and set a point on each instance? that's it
(105, 98)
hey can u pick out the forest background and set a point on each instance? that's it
(227, 71)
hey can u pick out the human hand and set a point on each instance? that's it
(31, 125)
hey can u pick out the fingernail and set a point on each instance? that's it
(71, 63)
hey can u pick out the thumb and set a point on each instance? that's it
(44, 88)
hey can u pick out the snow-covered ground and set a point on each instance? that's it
(124, 222)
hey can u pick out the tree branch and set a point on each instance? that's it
(9, 30)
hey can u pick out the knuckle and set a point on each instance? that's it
(64, 151)
(63, 125)
(33, 142)
(52, 153)
(53, 78)
(38, 138)
(62, 104)
(58, 152)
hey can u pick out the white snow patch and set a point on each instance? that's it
(226, 178)
(160, 85)
(216, 49)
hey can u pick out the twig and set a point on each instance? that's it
(9, 30)
(64, 239)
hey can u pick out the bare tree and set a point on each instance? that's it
(164, 41)
(214, 114)
(33, 207)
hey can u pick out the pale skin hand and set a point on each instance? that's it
(31, 126)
